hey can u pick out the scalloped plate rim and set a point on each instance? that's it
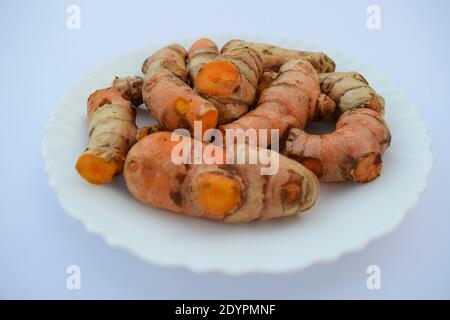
(236, 271)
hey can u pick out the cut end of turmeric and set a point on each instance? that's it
(181, 106)
(209, 119)
(368, 168)
(217, 78)
(217, 194)
(95, 169)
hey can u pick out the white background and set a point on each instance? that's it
(41, 59)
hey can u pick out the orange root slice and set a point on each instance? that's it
(96, 169)
(181, 105)
(367, 168)
(218, 78)
(217, 194)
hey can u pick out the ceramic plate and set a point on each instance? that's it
(345, 218)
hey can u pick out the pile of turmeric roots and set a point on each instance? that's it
(244, 86)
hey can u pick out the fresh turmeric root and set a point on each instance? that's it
(167, 96)
(130, 88)
(289, 101)
(350, 91)
(230, 193)
(352, 152)
(112, 132)
(273, 57)
(229, 80)
(201, 52)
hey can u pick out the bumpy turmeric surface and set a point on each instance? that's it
(273, 57)
(201, 52)
(112, 132)
(350, 90)
(230, 193)
(352, 152)
(130, 88)
(228, 80)
(289, 101)
(168, 97)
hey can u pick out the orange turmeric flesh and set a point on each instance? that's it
(217, 194)
(171, 101)
(194, 111)
(209, 120)
(218, 78)
(112, 131)
(228, 80)
(181, 106)
(95, 169)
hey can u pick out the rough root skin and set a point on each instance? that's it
(201, 52)
(266, 80)
(168, 97)
(228, 80)
(130, 88)
(352, 152)
(228, 193)
(145, 131)
(273, 57)
(112, 132)
(349, 90)
(287, 102)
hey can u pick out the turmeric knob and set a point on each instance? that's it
(112, 132)
(228, 80)
(367, 168)
(171, 101)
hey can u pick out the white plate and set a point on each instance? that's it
(345, 218)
